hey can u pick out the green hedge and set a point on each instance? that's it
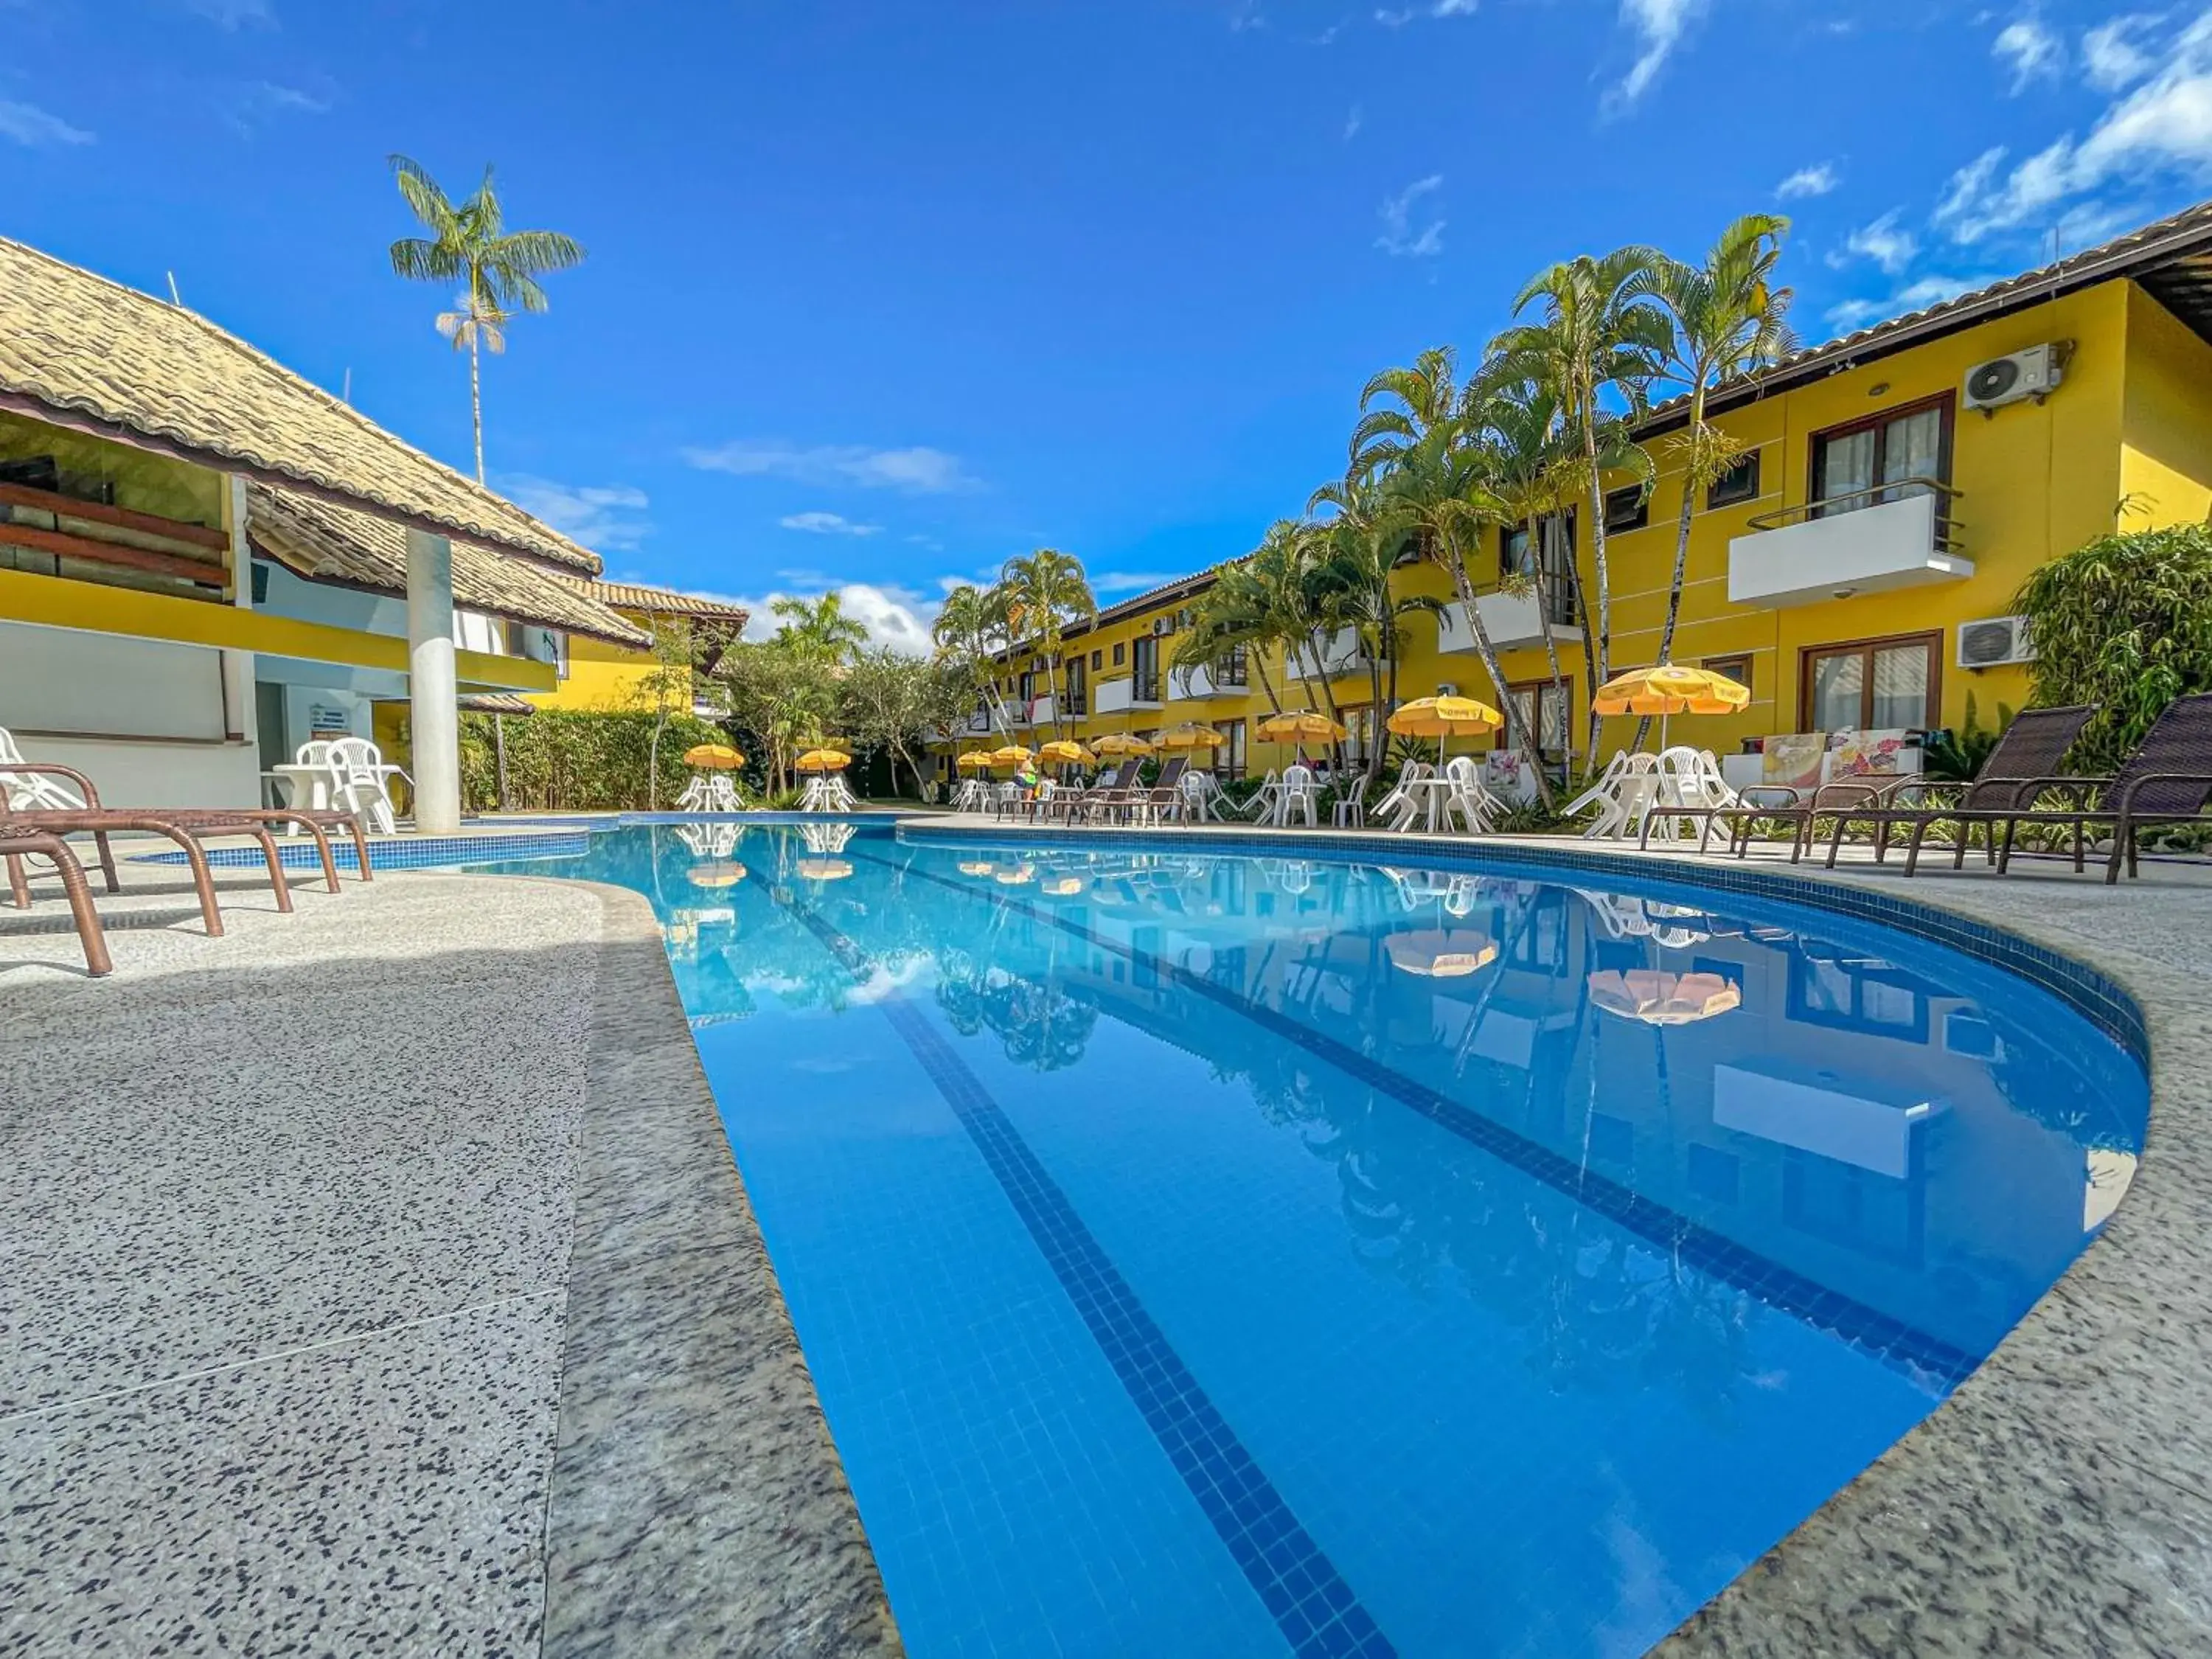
(577, 763)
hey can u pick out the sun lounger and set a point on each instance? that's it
(16, 844)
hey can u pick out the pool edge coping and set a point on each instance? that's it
(1892, 1561)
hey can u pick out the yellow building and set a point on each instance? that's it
(1857, 571)
(607, 675)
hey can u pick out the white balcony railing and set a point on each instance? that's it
(1835, 549)
(1184, 683)
(1341, 654)
(1115, 696)
(1512, 621)
(1037, 711)
(979, 723)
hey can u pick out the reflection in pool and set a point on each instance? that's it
(1204, 1254)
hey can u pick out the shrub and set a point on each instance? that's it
(2125, 623)
(576, 762)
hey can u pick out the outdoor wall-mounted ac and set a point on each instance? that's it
(1994, 641)
(2035, 373)
(1447, 689)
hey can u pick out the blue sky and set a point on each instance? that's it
(881, 294)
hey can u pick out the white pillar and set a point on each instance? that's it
(238, 715)
(432, 692)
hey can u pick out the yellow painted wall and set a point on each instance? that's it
(2133, 416)
(601, 678)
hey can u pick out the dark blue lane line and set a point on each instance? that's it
(1922, 1357)
(1309, 1600)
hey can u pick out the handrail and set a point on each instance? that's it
(1856, 500)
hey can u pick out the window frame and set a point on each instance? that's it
(1750, 458)
(1728, 660)
(1931, 639)
(1121, 652)
(1878, 422)
(1542, 687)
(1643, 509)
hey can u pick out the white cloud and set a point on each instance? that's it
(1885, 242)
(2162, 126)
(1453, 7)
(2113, 56)
(2032, 51)
(919, 471)
(234, 14)
(1658, 26)
(1395, 19)
(603, 517)
(894, 615)
(1913, 296)
(1353, 123)
(827, 524)
(26, 123)
(1399, 238)
(1817, 180)
(1133, 581)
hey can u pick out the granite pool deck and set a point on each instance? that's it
(377, 1278)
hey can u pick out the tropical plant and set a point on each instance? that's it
(498, 269)
(1040, 595)
(783, 693)
(1230, 617)
(667, 688)
(1727, 319)
(970, 632)
(899, 702)
(559, 760)
(1353, 589)
(1598, 336)
(819, 625)
(1947, 757)
(2125, 623)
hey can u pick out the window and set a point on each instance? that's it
(1121, 649)
(1079, 687)
(1228, 759)
(1233, 669)
(1739, 484)
(1878, 685)
(1559, 543)
(1737, 668)
(1851, 463)
(1555, 730)
(1627, 509)
(1097, 660)
(1146, 671)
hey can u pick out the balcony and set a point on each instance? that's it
(1512, 621)
(1900, 535)
(979, 723)
(1117, 696)
(1037, 711)
(1341, 653)
(1188, 684)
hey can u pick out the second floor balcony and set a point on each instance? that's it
(1037, 711)
(1137, 691)
(1513, 621)
(1896, 535)
(1340, 654)
(1191, 684)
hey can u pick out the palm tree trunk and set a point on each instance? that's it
(1602, 664)
(1255, 655)
(1516, 734)
(1551, 653)
(475, 399)
(1682, 550)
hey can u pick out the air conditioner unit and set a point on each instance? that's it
(1994, 641)
(1159, 624)
(2035, 373)
(1447, 689)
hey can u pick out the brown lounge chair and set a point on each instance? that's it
(1155, 801)
(2168, 780)
(2035, 745)
(15, 843)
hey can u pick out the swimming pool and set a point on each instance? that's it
(1218, 1254)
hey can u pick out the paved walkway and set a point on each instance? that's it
(377, 1278)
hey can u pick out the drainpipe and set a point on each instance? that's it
(433, 691)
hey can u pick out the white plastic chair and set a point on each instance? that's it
(1260, 809)
(1621, 795)
(1402, 799)
(1688, 778)
(1477, 807)
(360, 776)
(695, 796)
(32, 792)
(1300, 796)
(1200, 797)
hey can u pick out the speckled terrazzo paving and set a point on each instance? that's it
(2060, 1503)
(377, 1278)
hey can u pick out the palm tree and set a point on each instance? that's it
(820, 624)
(1041, 594)
(970, 630)
(1728, 319)
(1282, 571)
(498, 269)
(1353, 587)
(1232, 615)
(1600, 335)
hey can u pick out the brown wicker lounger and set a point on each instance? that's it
(17, 827)
(15, 843)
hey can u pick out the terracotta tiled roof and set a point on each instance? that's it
(80, 350)
(665, 601)
(323, 543)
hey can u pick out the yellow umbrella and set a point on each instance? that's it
(713, 758)
(977, 867)
(823, 760)
(1444, 717)
(977, 760)
(1065, 749)
(1301, 726)
(715, 875)
(1015, 875)
(1441, 953)
(1119, 743)
(1668, 690)
(1062, 886)
(823, 869)
(1191, 736)
(1658, 998)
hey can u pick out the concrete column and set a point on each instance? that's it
(432, 692)
(238, 723)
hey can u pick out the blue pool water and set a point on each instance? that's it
(1210, 1255)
